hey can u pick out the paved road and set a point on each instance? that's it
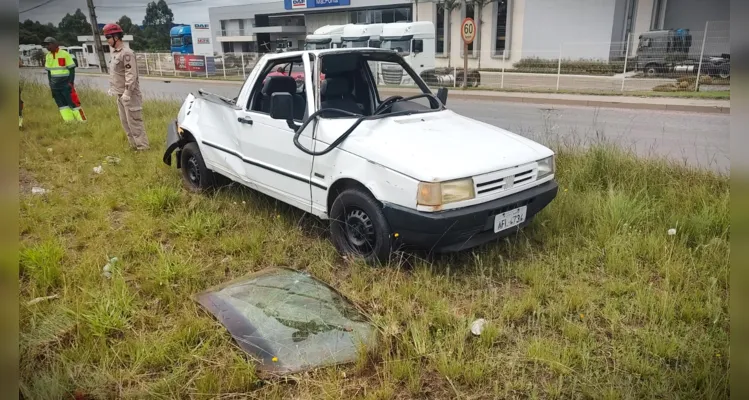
(697, 139)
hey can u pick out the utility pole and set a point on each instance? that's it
(97, 37)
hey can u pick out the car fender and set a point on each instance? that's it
(385, 184)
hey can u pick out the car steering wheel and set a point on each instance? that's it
(391, 99)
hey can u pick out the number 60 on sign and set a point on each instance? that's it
(468, 30)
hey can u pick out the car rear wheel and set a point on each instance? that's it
(196, 176)
(359, 228)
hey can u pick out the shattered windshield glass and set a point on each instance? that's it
(289, 321)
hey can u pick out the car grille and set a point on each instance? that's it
(499, 181)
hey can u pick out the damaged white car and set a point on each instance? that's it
(312, 129)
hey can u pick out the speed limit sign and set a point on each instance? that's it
(468, 30)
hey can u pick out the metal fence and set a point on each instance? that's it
(228, 65)
(638, 64)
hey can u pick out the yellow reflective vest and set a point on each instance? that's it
(59, 66)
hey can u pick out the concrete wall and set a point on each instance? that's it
(584, 27)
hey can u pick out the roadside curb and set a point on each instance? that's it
(536, 98)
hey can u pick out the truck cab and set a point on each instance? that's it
(386, 172)
(360, 35)
(414, 41)
(180, 38)
(325, 37)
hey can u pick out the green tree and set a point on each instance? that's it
(73, 26)
(126, 24)
(156, 25)
(33, 32)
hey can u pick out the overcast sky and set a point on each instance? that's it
(112, 10)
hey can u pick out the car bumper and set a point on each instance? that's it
(455, 230)
(173, 142)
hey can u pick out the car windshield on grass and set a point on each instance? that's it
(289, 321)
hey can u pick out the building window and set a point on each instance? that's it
(500, 34)
(381, 16)
(241, 27)
(223, 28)
(90, 48)
(440, 29)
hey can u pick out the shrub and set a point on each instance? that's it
(584, 67)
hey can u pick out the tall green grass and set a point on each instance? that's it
(593, 300)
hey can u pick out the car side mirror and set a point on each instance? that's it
(418, 46)
(282, 106)
(442, 95)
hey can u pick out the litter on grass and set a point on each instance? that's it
(289, 321)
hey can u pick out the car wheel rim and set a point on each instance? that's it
(360, 231)
(193, 171)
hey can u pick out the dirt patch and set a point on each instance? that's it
(26, 181)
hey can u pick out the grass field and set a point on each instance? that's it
(593, 300)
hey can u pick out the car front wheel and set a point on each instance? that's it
(196, 176)
(359, 228)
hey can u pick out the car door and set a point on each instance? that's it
(272, 161)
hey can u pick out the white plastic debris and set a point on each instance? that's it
(49, 149)
(112, 160)
(98, 169)
(40, 299)
(38, 190)
(671, 232)
(107, 269)
(478, 326)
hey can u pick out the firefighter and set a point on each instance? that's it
(61, 74)
(123, 82)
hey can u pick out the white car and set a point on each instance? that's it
(386, 172)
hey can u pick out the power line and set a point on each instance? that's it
(35, 7)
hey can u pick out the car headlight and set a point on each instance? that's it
(440, 193)
(546, 167)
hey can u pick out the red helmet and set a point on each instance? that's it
(111, 29)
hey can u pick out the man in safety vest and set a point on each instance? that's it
(123, 82)
(61, 74)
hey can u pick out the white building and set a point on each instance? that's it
(89, 58)
(508, 29)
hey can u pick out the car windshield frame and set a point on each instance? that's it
(384, 55)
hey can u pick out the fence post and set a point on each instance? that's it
(702, 54)
(244, 76)
(559, 66)
(148, 72)
(205, 63)
(455, 76)
(504, 58)
(626, 57)
(160, 64)
(223, 64)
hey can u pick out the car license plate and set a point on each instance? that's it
(509, 219)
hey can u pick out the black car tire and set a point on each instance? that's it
(195, 175)
(358, 227)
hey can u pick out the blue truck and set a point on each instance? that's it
(180, 38)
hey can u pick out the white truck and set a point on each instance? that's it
(386, 172)
(362, 35)
(415, 41)
(325, 37)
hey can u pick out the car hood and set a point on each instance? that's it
(434, 146)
